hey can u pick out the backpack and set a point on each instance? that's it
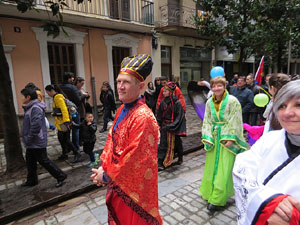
(72, 108)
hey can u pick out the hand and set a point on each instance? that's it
(283, 212)
(97, 176)
(228, 144)
(275, 219)
(52, 127)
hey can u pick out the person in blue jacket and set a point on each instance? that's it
(34, 135)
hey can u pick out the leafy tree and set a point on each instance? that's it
(259, 27)
(12, 145)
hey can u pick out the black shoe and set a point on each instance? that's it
(76, 158)
(179, 162)
(102, 130)
(61, 182)
(160, 168)
(29, 184)
(212, 208)
(62, 157)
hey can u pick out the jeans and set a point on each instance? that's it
(75, 132)
(88, 148)
(65, 142)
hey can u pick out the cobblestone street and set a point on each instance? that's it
(179, 201)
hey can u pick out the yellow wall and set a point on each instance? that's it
(26, 56)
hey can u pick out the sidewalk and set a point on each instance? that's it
(18, 201)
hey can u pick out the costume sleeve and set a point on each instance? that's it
(233, 130)
(160, 98)
(179, 121)
(180, 97)
(250, 195)
(159, 113)
(60, 103)
(207, 136)
(249, 103)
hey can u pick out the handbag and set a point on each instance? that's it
(56, 112)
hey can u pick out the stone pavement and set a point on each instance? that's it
(179, 201)
(17, 200)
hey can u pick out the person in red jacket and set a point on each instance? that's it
(177, 92)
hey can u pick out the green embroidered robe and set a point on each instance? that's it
(219, 127)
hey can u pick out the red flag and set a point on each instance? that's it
(258, 74)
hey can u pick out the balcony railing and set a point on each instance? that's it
(140, 11)
(176, 15)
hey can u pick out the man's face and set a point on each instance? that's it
(163, 83)
(71, 80)
(249, 80)
(241, 82)
(25, 100)
(128, 88)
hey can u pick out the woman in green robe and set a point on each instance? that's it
(222, 135)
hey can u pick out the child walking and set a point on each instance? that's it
(88, 129)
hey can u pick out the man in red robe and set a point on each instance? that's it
(129, 159)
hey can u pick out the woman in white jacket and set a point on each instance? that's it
(267, 189)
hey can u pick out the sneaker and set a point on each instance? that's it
(102, 130)
(92, 164)
(97, 159)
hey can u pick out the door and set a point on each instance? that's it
(118, 54)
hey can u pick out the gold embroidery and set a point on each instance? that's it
(127, 157)
(137, 165)
(151, 140)
(154, 212)
(148, 174)
(134, 196)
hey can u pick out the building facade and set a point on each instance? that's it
(180, 52)
(98, 35)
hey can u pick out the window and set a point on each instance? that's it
(166, 62)
(120, 9)
(61, 60)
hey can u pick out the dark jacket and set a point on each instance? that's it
(245, 97)
(34, 131)
(150, 100)
(71, 92)
(87, 132)
(171, 116)
(108, 100)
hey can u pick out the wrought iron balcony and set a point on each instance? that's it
(176, 15)
(140, 12)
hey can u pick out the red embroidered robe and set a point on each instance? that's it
(130, 159)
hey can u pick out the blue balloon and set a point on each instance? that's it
(217, 71)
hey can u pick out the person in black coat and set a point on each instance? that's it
(73, 95)
(88, 129)
(109, 105)
(150, 97)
